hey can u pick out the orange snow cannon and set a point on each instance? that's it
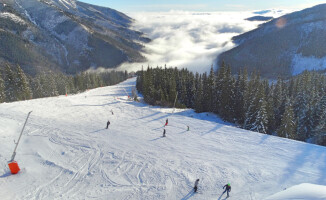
(14, 168)
(13, 165)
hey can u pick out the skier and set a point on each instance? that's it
(107, 124)
(164, 133)
(166, 122)
(196, 185)
(188, 128)
(227, 189)
(112, 112)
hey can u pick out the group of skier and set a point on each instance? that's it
(166, 123)
(227, 188)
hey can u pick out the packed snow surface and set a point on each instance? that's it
(66, 152)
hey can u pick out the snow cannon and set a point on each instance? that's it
(14, 168)
(13, 165)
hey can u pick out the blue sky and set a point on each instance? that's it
(201, 5)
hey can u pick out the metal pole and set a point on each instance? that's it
(14, 153)
(176, 96)
(126, 92)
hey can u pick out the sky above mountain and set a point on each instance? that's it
(202, 5)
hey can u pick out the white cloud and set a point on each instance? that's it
(186, 39)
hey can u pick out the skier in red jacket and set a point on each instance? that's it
(166, 122)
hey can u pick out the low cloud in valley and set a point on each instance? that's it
(191, 40)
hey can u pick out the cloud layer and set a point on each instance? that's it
(191, 40)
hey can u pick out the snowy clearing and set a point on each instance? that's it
(66, 152)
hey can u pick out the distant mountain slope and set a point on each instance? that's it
(286, 45)
(66, 35)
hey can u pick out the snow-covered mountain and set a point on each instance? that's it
(66, 152)
(66, 35)
(284, 46)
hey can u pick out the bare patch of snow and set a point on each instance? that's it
(301, 63)
(309, 27)
(86, 28)
(13, 17)
(68, 4)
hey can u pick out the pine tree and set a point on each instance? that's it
(260, 116)
(2, 90)
(191, 91)
(210, 90)
(278, 101)
(11, 88)
(287, 128)
(37, 87)
(23, 89)
(205, 91)
(270, 112)
(227, 97)
(219, 88)
(49, 86)
(251, 102)
(199, 94)
(240, 90)
(302, 109)
(320, 121)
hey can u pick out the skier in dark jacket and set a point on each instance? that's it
(166, 122)
(107, 124)
(164, 133)
(227, 189)
(196, 185)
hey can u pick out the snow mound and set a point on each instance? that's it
(304, 191)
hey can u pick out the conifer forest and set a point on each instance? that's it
(293, 108)
(15, 85)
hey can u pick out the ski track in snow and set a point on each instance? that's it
(66, 152)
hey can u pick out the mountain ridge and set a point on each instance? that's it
(67, 36)
(281, 46)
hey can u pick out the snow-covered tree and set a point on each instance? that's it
(288, 123)
(23, 89)
(260, 116)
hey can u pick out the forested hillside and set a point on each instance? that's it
(294, 108)
(15, 85)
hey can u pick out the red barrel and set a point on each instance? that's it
(14, 168)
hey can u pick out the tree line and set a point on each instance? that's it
(15, 85)
(294, 108)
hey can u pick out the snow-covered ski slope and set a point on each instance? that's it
(66, 152)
